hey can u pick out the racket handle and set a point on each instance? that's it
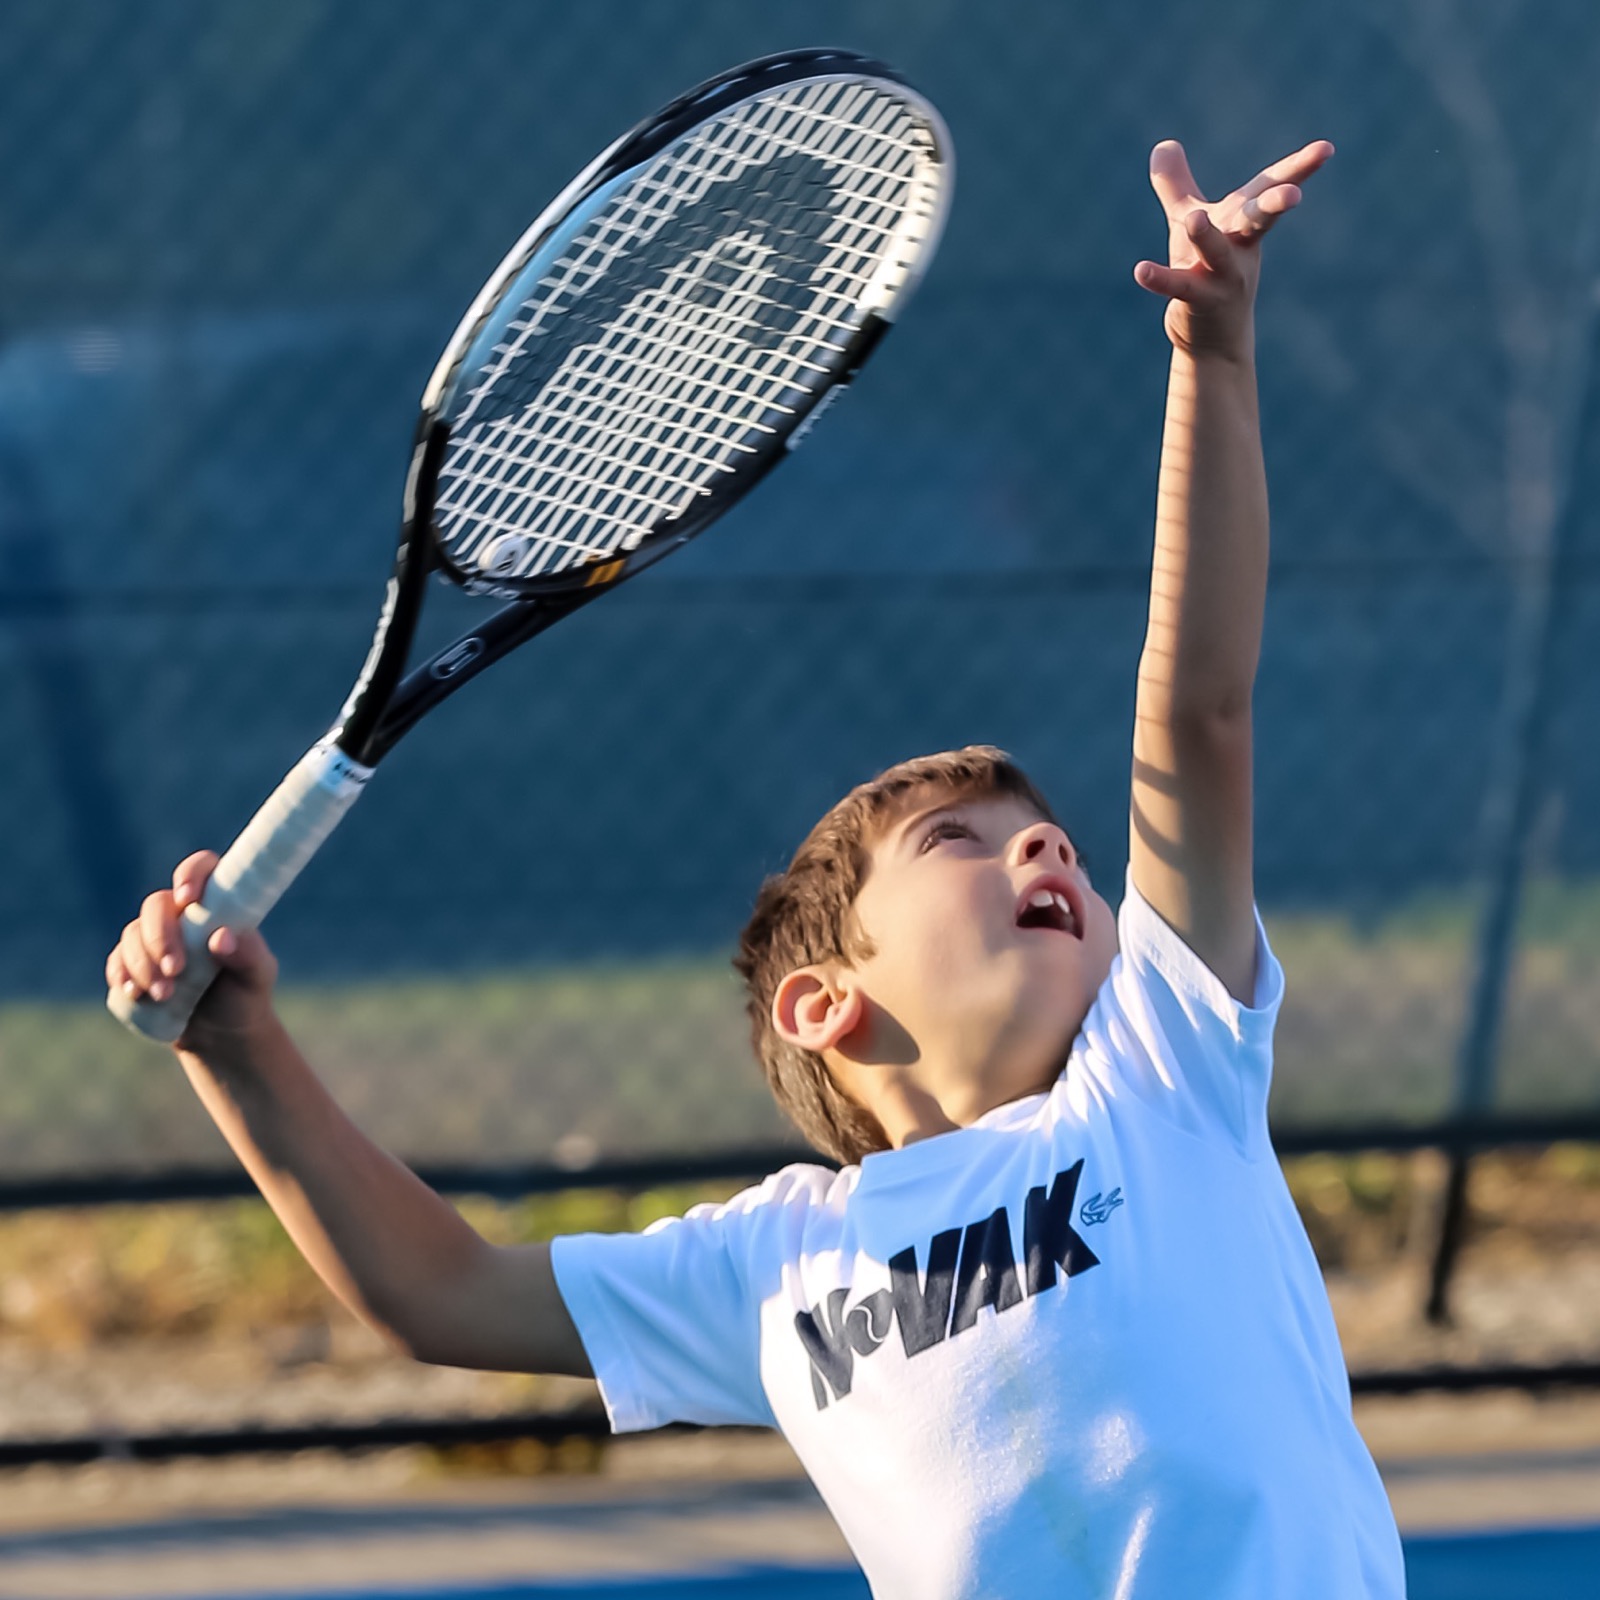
(250, 880)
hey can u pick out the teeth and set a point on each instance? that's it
(1053, 900)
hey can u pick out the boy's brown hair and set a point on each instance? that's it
(804, 915)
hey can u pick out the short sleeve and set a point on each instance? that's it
(1165, 1026)
(666, 1320)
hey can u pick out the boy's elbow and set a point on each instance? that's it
(1211, 700)
(497, 1308)
(439, 1339)
(398, 1344)
(407, 1331)
(1215, 721)
(429, 1315)
(430, 1346)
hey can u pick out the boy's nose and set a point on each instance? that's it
(1045, 842)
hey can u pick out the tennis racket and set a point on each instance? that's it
(651, 348)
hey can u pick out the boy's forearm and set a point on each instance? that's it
(1189, 845)
(1209, 576)
(384, 1242)
(1190, 850)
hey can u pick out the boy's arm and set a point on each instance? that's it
(396, 1253)
(1190, 814)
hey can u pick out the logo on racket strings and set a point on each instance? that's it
(458, 657)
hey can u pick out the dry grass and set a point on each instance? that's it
(1364, 1210)
(72, 1279)
(202, 1316)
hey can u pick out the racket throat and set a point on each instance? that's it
(385, 665)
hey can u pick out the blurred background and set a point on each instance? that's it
(233, 239)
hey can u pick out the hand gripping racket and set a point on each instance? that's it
(654, 344)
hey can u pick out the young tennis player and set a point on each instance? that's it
(1054, 1328)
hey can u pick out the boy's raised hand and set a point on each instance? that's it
(150, 954)
(1191, 830)
(1214, 260)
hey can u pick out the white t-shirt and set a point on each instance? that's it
(1081, 1347)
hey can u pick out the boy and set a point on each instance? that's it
(1054, 1328)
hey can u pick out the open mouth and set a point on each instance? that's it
(1051, 908)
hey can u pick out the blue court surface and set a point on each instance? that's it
(1525, 1564)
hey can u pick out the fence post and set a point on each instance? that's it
(1514, 788)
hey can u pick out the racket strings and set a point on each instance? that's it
(680, 325)
(647, 190)
(686, 403)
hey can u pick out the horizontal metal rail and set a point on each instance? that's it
(589, 1422)
(515, 1182)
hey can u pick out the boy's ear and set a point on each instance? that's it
(814, 1008)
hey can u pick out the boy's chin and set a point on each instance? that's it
(1055, 1031)
(1062, 992)
(1041, 1077)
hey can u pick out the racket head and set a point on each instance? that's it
(674, 321)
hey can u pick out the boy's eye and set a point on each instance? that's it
(945, 828)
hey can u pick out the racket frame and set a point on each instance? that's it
(386, 700)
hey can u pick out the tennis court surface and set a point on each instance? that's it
(1498, 1498)
(1550, 1563)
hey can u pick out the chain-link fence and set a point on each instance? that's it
(232, 241)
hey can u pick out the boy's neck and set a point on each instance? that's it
(909, 1111)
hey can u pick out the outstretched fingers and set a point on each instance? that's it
(1257, 213)
(1172, 180)
(1161, 280)
(1216, 260)
(1292, 170)
(1277, 189)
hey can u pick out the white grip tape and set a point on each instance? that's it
(251, 878)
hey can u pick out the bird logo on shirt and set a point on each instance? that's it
(1098, 1207)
